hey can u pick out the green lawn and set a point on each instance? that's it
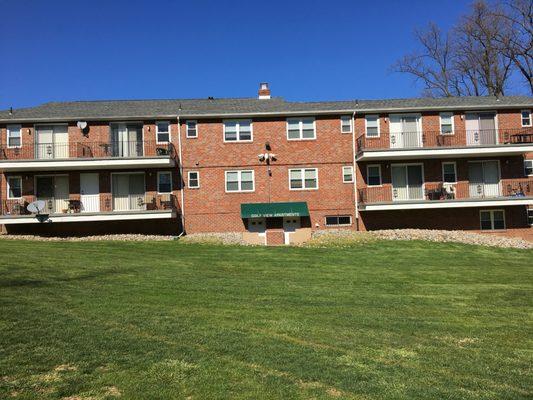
(164, 320)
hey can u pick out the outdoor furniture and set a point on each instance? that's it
(74, 206)
(522, 138)
(160, 151)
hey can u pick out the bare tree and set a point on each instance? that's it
(516, 42)
(478, 56)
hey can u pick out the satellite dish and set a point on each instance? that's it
(82, 125)
(36, 206)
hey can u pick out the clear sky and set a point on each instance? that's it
(310, 50)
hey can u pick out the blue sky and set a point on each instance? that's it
(306, 50)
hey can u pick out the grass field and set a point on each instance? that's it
(164, 320)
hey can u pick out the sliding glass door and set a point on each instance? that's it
(54, 191)
(407, 182)
(128, 192)
(51, 141)
(480, 129)
(126, 140)
(484, 178)
(405, 131)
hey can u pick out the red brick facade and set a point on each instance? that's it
(210, 208)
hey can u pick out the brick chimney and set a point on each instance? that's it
(264, 91)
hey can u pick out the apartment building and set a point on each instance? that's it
(271, 169)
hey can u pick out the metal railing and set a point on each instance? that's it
(436, 139)
(87, 149)
(104, 202)
(431, 191)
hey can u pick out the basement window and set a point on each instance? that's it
(491, 220)
(338, 220)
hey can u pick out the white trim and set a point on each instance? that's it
(300, 127)
(350, 122)
(187, 128)
(189, 179)
(85, 217)
(239, 180)
(443, 152)
(159, 173)
(380, 176)
(157, 132)
(430, 204)
(66, 164)
(9, 187)
(491, 213)
(338, 216)
(302, 170)
(351, 173)
(453, 123)
(379, 126)
(8, 131)
(237, 130)
(454, 169)
(522, 118)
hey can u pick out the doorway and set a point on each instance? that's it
(290, 224)
(90, 192)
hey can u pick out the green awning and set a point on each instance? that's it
(270, 210)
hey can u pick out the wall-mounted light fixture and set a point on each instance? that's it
(462, 117)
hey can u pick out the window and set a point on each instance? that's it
(239, 181)
(346, 124)
(193, 179)
(164, 182)
(347, 174)
(301, 128)
(373, 175)
(303, 179)
(239, 130)
(528, 167)
(446, 123)
(192, 131)
(372, 125)
(14, 187)
(526, 117)
(163, 132)
(14, 136)
(492, 220)
(530, 216)
(338, 220)
(449, 173)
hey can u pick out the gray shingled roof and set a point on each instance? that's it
(146, 109)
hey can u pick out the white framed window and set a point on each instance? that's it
(193, 179)
(191, 129)
(372, 126)
(164, 182)
(162, 131)
(238, 130)
(347, 174)
(530, 216)
(446, 123)
(14, 136)
(373, 175)
(346, 124)
(240, 181)
(528, 167)
(449, 172)
(491, 220)
(303, 179)
(301, 128)
(14, 187)
(338, 220)
(526, 117)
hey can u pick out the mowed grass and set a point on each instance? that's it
(164, 320)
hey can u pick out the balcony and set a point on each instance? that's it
(434, 144)
(79, 155)
(105, 207)
(446, 195)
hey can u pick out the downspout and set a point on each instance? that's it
(355, 174)
(182, 179)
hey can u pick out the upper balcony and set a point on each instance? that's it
(414, 194)
(434, 144)
(68, 155)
